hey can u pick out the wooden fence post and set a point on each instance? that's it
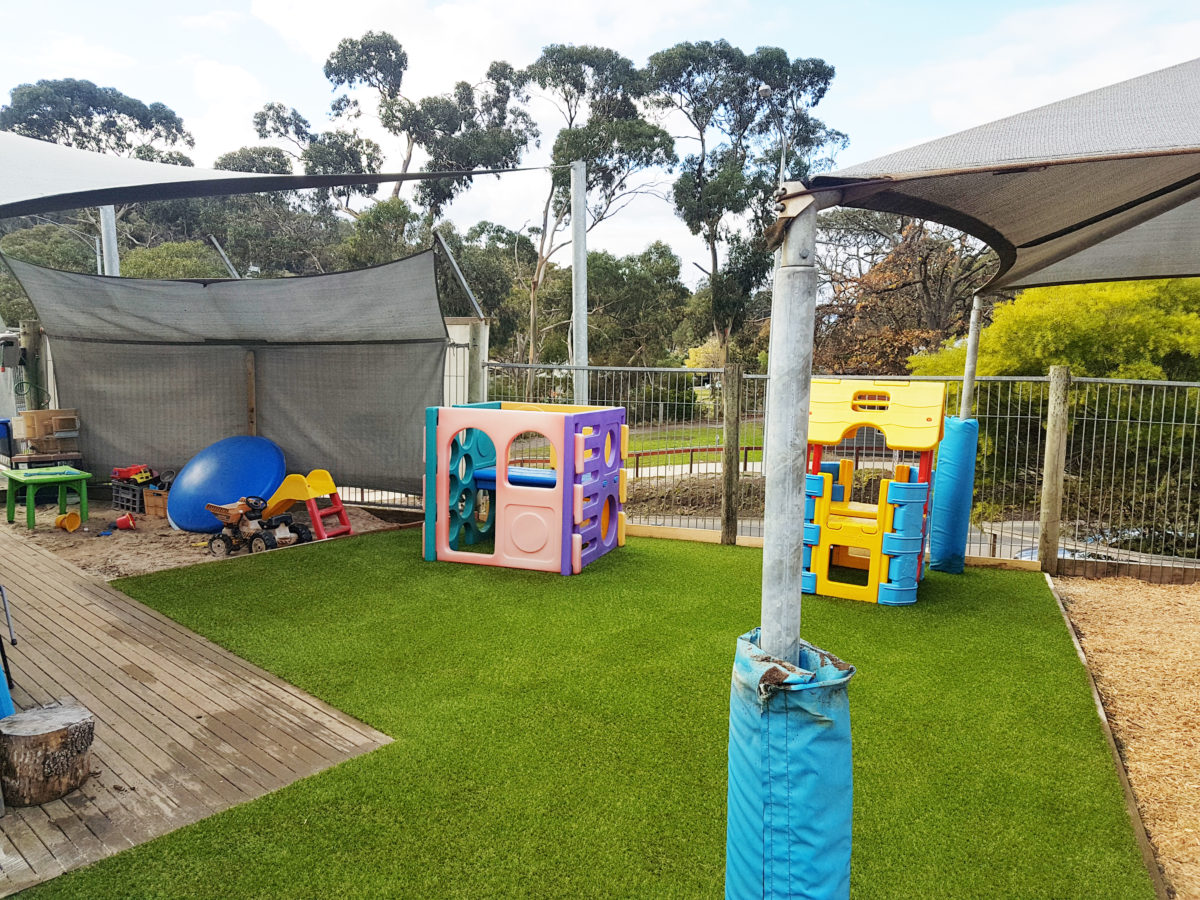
(732, 387)
(251, 394)
(1054, 469)
(31, 343)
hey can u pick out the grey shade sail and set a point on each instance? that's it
(1072, 191)
(37, 177)
(337, 368)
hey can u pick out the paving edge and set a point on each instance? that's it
(1157, 878)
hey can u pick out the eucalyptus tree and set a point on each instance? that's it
(79, 114)
(598, 94)
(330, 152)
(475, 126)
(743, 113)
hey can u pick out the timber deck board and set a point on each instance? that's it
(184, 728)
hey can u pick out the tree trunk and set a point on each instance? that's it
(45, 753)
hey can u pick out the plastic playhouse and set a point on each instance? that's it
(556, 516)
(885, 539)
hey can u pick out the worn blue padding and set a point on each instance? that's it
(953, 489)
(790, 777)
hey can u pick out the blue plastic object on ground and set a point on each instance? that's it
(790, 777)
(224, 472)
(6, 702)
(953, 490)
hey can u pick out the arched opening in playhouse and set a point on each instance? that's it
(533, 450)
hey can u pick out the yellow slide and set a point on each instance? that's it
(298, 489)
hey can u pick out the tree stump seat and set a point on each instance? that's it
(45, 753)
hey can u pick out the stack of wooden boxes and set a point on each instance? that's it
(49, 434)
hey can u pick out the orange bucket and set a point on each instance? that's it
(125, 522)
(67, 521)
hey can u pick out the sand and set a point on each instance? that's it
(150, 547)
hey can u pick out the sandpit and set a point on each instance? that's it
(150, 547)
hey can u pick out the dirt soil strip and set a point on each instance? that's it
(150, 547)
(1143, 647)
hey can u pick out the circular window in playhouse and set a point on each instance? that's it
(611, 446)
(608, 520)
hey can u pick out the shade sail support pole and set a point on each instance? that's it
(793, 314)
(108, 240)
(968, 389)
(579, 310)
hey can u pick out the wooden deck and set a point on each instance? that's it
(184, 729)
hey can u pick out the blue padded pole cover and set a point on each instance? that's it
(953, 489)
(790, 777)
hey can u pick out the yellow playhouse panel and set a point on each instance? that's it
(909, 414)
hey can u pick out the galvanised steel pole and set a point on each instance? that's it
(579, 311)
(968, 388)
(108, 240)
(785, 453)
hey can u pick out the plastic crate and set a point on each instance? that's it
(127, 497)
(156, 502)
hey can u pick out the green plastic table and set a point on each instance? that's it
(63, 476)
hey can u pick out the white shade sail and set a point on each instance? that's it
(38, 177)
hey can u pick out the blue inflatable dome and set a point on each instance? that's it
(223, 472)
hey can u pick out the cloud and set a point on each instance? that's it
(60, 55)
(1025, 60)
(226, 97)
(214, 20)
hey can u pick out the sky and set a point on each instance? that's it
(907, 72)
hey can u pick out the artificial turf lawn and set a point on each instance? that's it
(566, 737)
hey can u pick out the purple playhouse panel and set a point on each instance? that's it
(600, 478)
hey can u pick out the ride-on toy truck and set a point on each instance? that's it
(245, 527)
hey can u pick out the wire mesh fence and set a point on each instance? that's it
(1132, 486)
(1131, 493)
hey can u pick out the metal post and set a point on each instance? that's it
(1053, 469)
(579, 278)
(476, 360)
(233, 273)
(785, 450)
(108, 240)
(968, 388)
(732, 381)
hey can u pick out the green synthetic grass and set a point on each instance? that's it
(566, 737)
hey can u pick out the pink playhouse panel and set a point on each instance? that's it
(528, 519)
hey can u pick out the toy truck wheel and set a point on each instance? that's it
(221, 545)
(303, 534)
(261, 542)
(257, 504)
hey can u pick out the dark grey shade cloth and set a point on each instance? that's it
(344, 366)
(1088, 175)
(38, 176)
